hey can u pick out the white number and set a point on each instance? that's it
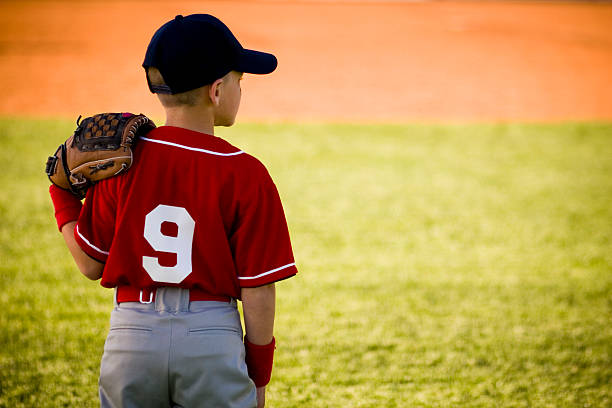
(180, 245)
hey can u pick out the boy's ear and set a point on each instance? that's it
(214, 91)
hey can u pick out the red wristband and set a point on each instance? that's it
(67, 206)
(259, 361)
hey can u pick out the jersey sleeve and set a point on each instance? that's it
(95, 227)
(260, 243)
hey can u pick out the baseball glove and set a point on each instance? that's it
(101, 147)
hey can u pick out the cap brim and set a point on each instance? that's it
(256, 62)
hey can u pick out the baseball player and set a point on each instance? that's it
(195, 224)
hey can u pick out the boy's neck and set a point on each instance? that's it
(198, 119)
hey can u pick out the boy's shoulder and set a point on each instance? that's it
(251, 170)
(187, 140)
(210, 147)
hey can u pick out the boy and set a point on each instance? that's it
(194, 224)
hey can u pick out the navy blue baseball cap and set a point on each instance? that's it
(198, 49)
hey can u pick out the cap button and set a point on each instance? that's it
(179, 17)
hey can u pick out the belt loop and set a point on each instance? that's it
(184, 301)
(150, 297)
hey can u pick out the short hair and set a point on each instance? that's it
(187, 98)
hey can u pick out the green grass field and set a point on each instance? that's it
(440, 266)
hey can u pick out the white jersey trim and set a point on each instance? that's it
(267, 273)
(89, 243)
(195, 149)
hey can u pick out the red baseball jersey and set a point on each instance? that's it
(194, 212)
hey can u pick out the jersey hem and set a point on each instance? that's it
(267, 278)
(90, 250)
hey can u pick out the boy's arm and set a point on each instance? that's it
(258, 305)
(88, 266)
(67, 209)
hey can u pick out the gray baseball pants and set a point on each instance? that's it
(175, 353)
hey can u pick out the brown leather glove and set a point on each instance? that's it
(101, 147)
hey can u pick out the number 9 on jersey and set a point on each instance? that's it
(181, 245)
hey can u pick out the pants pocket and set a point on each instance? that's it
(214, 330)
(130, 328)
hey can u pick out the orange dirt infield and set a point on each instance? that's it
(342, 60)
